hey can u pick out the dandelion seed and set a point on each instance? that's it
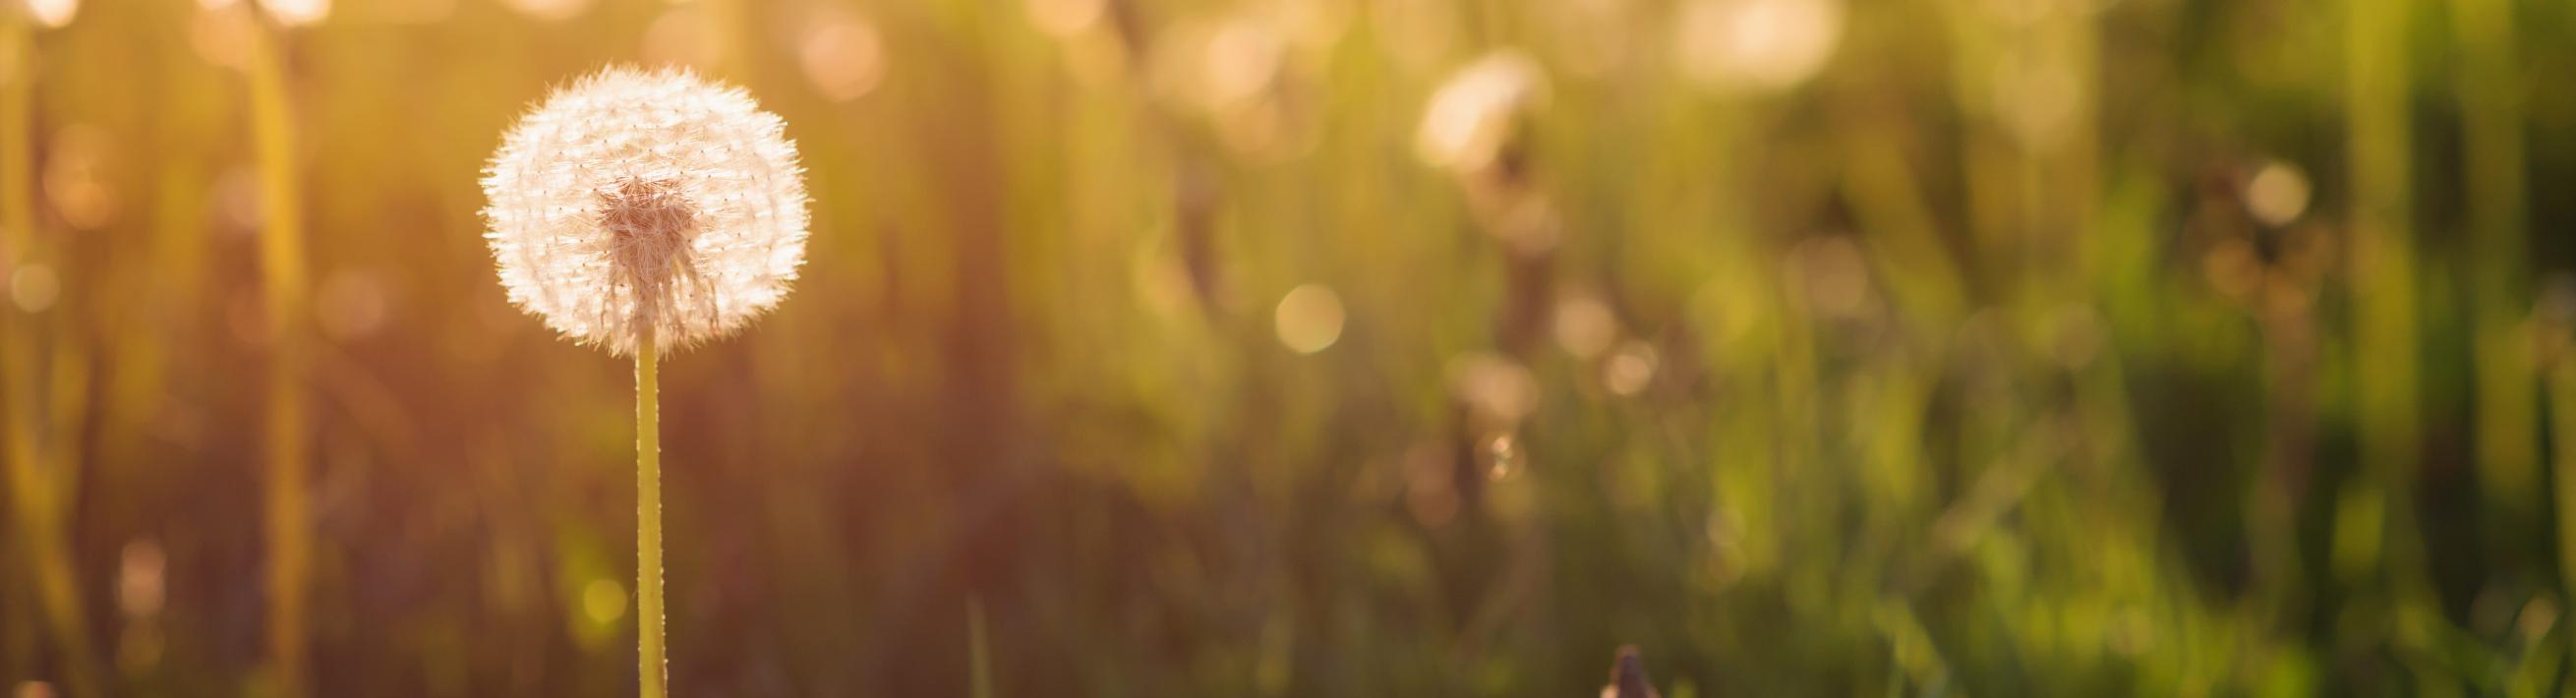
(639, 201)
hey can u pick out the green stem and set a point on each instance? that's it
(648, 518)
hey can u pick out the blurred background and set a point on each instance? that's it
(1320, 348)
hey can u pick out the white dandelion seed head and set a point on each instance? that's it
(641, 200)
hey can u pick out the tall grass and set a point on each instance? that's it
(35, 456)
(287, 302)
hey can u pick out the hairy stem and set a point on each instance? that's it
(651, 667)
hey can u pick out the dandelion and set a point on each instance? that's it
(1474, 117)
(645, 212)
(646, 207)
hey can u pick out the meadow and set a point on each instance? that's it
(1318, 348)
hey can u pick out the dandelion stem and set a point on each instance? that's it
(651, 667)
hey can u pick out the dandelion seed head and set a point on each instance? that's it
(1475, 115)
(640, 200)
(53, 14)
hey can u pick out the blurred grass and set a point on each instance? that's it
(2018, 347)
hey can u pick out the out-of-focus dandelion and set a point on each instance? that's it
(1754, 45)
(1477, 113)
(644, 212)
(53, 13)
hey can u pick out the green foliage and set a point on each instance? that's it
(2041, 347)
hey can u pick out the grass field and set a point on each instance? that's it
(1319, 348)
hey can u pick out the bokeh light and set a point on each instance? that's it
(604, 600)
(1309, 319)
(682, 36)
(296, 13)
(1479, 109)
(1755, 44)
(76, 179)
(842, 56)
(1065, 18)
(2277, 193)
(549, 10)
(34, 287)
